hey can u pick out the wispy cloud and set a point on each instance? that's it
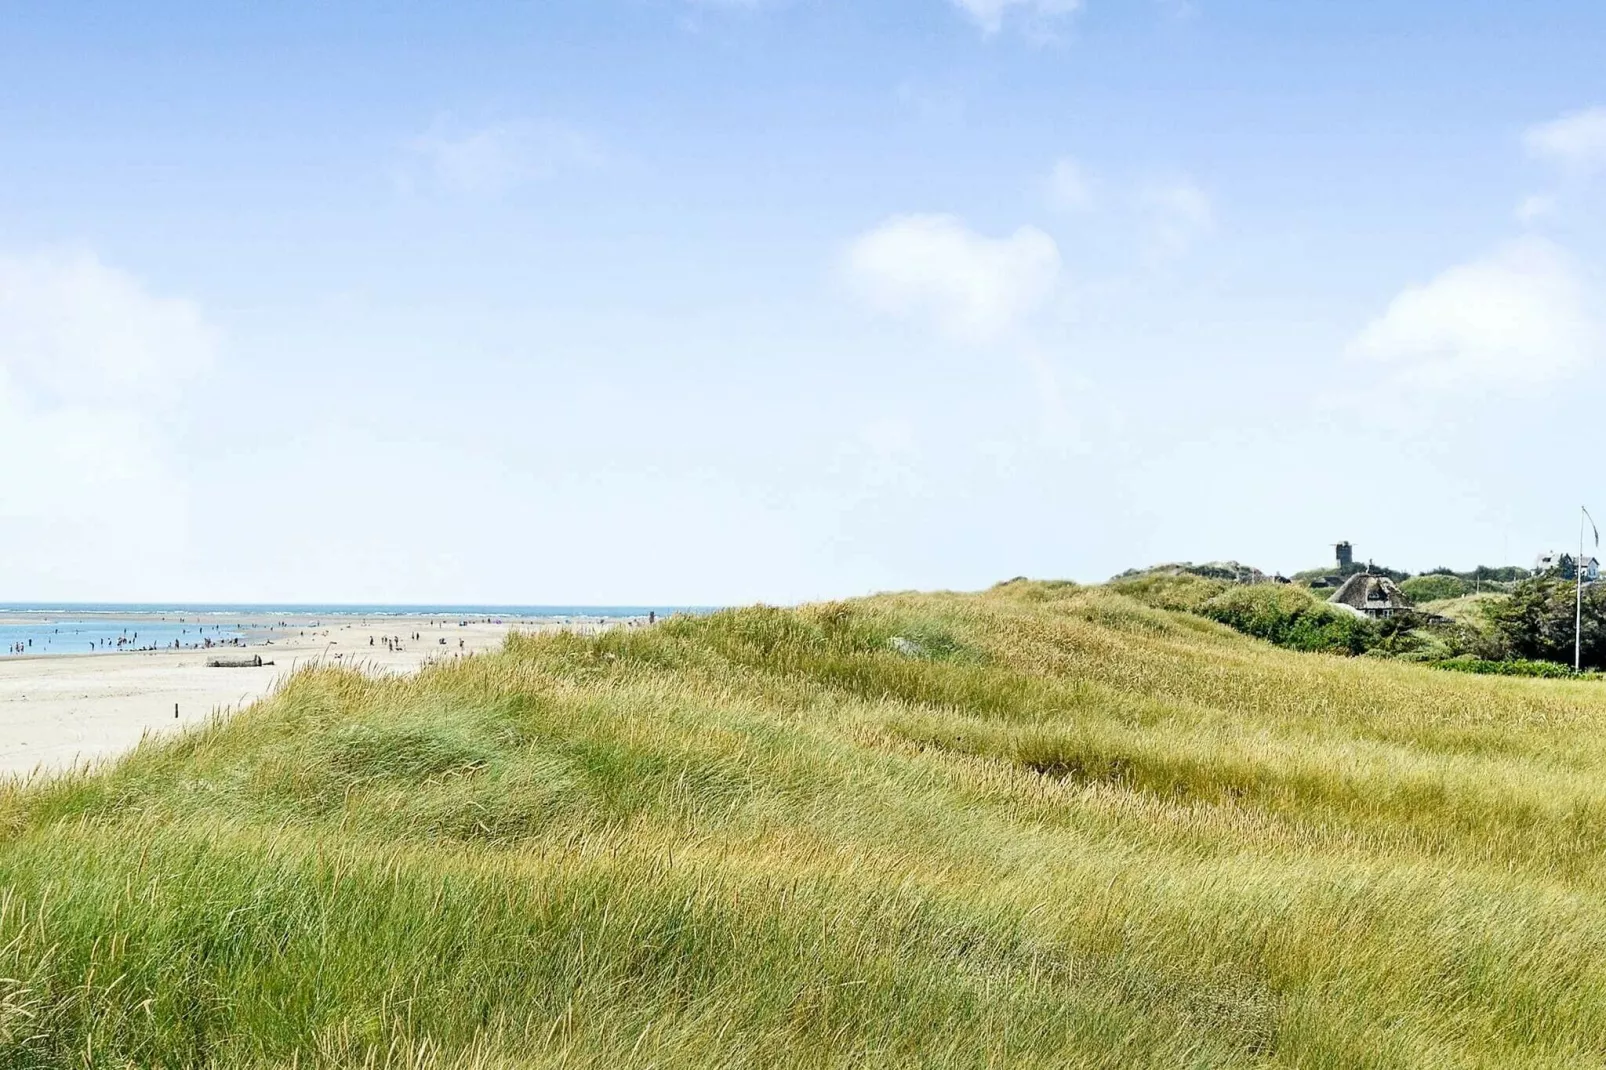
(988, 293)
(1177, 213)
(1575, 142)
(92, 363)
(933, 268)
(495, 158)
(1069, 188)
(74, 331)
(1573, 146)
(1538, 206)
(931, 104)
(990, 15)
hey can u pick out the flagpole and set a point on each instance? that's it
(1578, 619)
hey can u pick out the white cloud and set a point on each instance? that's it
(1536, 207)
(493, 159)
(90, 364)
(1069, 189)
(1575, 142)
(970, 286)
(73, 330)
(1519, 317)
(87, 466)
(1178, 213)
(990, 14)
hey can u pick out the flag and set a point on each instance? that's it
(1592, 527)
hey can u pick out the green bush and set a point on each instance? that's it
(1434, 588)
(1519, 667)
(1290, 617)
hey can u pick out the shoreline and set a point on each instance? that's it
(48, 633)
(61, 710)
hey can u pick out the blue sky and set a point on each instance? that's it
(674, 301)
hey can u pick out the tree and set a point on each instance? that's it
(1486, 574)
(1538, 622)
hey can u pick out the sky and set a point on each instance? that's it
(720, 301)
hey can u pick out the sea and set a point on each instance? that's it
(36, 629)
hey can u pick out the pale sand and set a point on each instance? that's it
(65, 710)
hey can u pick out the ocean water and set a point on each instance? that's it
(257, 611)
(72, 634)
(84, 628)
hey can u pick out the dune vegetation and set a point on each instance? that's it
(1043, 825)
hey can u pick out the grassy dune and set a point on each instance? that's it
(1064, 829)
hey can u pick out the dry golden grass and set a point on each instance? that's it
(1066, 830)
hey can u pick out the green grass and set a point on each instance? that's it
(1061, 828)
(1287, 615)
(1472, 608)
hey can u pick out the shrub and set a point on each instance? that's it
(1290, 617)
(1519, 667)
(1434, 588)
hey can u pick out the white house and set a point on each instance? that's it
(1559, 561)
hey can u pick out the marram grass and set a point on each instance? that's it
(1062, 829)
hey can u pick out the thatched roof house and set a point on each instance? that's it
(1373, 596)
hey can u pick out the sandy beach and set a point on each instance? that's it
(62, 710)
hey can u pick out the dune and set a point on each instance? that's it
(1042, 826)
